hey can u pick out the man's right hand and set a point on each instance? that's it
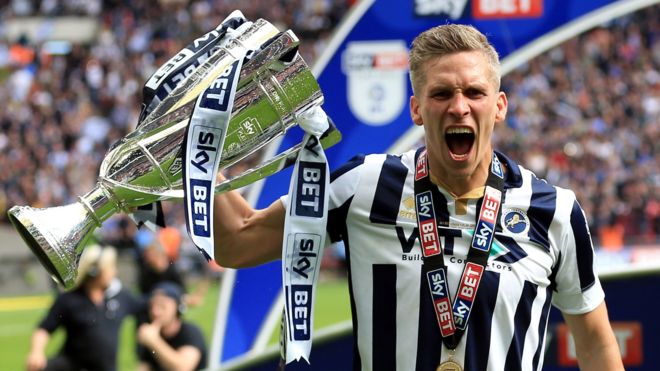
(36, 361)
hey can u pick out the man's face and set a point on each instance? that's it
(162, 309)
(458, 104)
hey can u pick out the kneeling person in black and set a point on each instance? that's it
(91, 314)
(169, 343)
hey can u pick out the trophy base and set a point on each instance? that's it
(46, 260)
(56, 236)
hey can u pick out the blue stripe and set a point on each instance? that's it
(429, 340)
(521, 322)
(515, 253)
(387, 198)
(543, 323)
(337, 229)
(384, 317)
(583, 247)
(357, 359)
(346, 167)
(479, 335)
(541, 211)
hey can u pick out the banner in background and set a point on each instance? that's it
(363, 75)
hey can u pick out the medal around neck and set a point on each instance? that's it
(275, 86)
(449, 366)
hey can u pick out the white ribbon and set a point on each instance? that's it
(205, 138)
(304, 237)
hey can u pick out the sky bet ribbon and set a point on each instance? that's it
(167, 78)
(205, 136)
(304, 238)
(453, 317)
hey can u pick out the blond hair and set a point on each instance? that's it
(94, 258)
(448, 39)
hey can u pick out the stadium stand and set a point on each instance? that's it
(588, 111)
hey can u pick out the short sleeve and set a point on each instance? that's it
(577, 287)
(55, 315)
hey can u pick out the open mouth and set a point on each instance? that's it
(459, 141)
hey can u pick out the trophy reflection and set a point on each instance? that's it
(275, 86)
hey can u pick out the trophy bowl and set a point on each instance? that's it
(275, 87)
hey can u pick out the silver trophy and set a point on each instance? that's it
(275, 86)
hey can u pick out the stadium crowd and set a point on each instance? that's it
(586, 116)
(587, 112)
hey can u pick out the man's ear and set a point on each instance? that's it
(502, 105)
(415, 111)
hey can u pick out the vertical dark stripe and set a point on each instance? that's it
(337, 226)
(583, 247)
(429, 340)
(543, 324)
(479, 336)
(384, 317)
(521, 321)
(541, 211)
(387, 197)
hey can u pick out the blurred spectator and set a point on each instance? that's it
(169, 342)
(91, 314)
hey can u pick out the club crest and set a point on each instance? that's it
(515, 221)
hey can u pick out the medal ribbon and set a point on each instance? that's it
(453, 317)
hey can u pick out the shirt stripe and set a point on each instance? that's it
(384, 317)
(385, 208)
(541, 211)
(543, 324)
(521, 321)
(583, 247)
(476, 357)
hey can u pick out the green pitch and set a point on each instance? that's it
(19, 316)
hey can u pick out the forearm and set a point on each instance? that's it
(595, 345)
(166, 356)
(600, 356)
(244, 236)
(39, 341)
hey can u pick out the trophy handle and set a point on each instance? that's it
(285, 159)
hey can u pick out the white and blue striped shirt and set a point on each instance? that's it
(542, 254)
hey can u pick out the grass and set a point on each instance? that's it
(19, 316)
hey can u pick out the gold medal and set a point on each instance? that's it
(449, 366)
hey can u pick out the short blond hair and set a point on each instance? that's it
(95, 258)
(448, 39)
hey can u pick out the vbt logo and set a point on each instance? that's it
(507, 9)
(441, 301)
(427, 223)
(467, 290)
(485, 227)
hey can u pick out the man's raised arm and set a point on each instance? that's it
(246, 237)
